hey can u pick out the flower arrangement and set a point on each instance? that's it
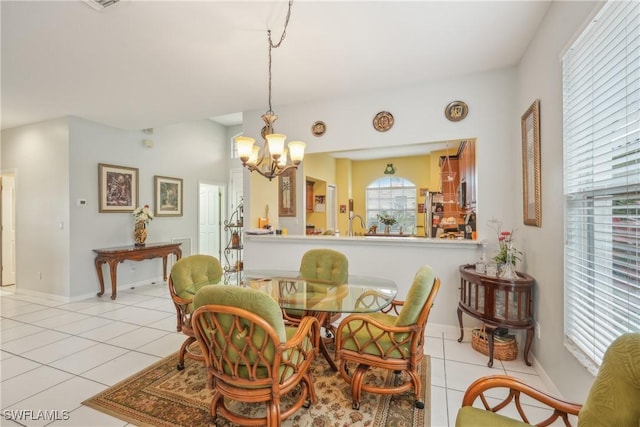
(143, 214)
(386, 219)
(505, 244)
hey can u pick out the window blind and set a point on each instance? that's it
(601, 97)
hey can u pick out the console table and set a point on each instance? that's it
(113, 256)
(498, 303)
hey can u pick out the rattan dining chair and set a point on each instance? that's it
(328, 266)
(192, 272)
(251, 356)
(613, 400)
(392, 340)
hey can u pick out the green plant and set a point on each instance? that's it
(386, 219)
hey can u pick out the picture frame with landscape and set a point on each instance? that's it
(168, 196)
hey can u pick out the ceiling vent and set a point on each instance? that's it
(100, 4)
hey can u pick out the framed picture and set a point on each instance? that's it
(117, 188)
(287, 193)
(531, 165)
(168, 196)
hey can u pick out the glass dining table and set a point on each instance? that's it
(318, 298)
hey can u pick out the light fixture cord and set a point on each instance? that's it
(275, 46)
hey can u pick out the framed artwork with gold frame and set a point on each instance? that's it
(287, 193)
(168, 196)
(530, 122)
(117, 188)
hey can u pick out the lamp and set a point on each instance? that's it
(389, 170)
(273, 159)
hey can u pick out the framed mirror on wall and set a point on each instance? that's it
(530, 123)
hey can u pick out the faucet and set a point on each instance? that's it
(351, 217)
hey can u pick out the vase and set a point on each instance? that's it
(140, 233)
(509, 270)
(387, 229)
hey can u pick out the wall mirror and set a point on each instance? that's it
(439, 201)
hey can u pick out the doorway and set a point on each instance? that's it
(210, 219)
(8, 215)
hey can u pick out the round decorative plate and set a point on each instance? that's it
(318, 128)
(383, 121)
(456, 111)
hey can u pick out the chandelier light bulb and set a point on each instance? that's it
(296, 151)
(276, 144)
(245, 147)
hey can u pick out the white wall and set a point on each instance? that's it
(496, 100)
(39, 155)
(540, 76)
(419, 117)
(57, 163)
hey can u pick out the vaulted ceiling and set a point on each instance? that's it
(140, 64)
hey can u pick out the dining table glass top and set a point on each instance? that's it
(361, 294)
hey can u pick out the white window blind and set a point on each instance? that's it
(601, 91)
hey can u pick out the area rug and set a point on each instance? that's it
(160, 396)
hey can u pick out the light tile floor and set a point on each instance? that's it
(54, 355)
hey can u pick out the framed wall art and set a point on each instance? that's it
(168, 196)
(117, 188)
(530, 122)
(287, 193)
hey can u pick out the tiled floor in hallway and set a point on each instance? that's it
(55, 355)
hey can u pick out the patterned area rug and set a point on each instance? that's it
(160, 395)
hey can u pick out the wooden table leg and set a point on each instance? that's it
(490, 330)
(98, 263)
(164, 267)
(527, 345)
(460, 322)
(113, 265)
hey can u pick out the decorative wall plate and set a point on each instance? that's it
(456, 111)
(318, 128)
(383, 121)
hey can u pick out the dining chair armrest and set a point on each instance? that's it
(308, 329)
(394, 307)
(363, 334)
(516, 387)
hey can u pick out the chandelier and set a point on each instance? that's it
(274, 158)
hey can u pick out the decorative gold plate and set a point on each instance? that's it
(456, 111)
(383, 121)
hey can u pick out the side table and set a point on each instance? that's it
(498, 303)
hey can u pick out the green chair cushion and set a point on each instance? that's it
(325, 264)
(468, 416)
(614, 397)
(416, 297)
(195, 269)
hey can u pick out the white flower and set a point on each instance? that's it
(143, 214)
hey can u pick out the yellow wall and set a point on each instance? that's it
(263, 193)
(416, 169)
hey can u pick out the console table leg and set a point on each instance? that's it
(527, 345)
(460, 322)
(164, 268)
(98, 263)
(113, 265)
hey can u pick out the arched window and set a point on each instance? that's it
(395, 197)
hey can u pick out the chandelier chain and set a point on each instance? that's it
(275, 46)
